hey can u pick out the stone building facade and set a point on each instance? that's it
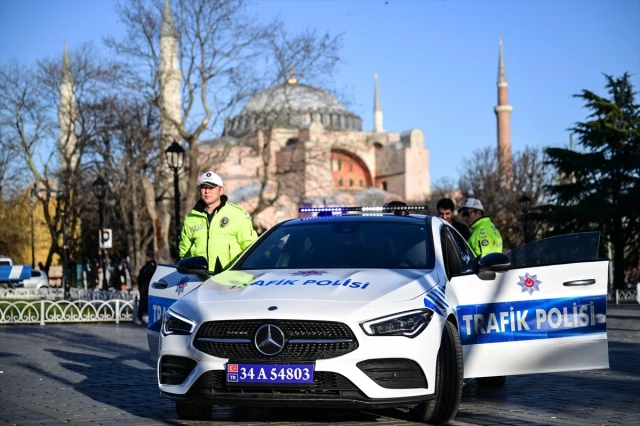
(298, 145)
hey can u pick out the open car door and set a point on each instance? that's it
(546, 314)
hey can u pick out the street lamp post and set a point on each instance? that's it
(65, 257)
(32, 205)
(100, 190)
(525, 206)
(175, 159)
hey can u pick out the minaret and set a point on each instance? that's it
(377, 108)
(503, 114)
(169, 77)
(67, 116)
(572, 146)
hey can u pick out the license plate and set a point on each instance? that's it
(272, 374)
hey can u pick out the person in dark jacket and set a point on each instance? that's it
(144, 279)
(445, 208)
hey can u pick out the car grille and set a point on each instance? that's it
(305, 340)
(324, 382)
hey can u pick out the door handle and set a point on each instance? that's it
(159, 285)
(575, 283)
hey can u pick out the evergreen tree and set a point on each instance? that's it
(598, 187)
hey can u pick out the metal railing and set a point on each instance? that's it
(623, 296)
(45, 311)
(58, 294)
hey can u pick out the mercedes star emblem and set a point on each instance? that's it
(269, 340)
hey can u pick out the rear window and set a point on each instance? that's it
(343, 244)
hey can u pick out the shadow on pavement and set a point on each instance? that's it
(128, 383)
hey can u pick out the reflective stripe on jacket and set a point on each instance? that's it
(485, 238)
(228, 234)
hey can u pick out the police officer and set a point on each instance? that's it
(215, 228)
(485, 237)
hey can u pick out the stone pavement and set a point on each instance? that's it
(101, 374)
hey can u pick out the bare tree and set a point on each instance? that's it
(126, 141)
(224, 56)
(32, 103)
(481, 180)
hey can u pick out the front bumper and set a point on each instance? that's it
(262, 399)
(339, 381)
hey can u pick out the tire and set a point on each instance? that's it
(448, 386)
(491, 382)
(193, 410)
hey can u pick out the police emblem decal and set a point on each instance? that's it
(224, 221)
(529, 283)
(181, 285)
(485, 242)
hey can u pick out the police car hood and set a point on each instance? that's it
(336, 285)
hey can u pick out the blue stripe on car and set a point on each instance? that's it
(532, 319)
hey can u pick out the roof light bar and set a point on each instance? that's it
(380, 209)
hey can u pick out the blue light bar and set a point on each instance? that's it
(377, 209)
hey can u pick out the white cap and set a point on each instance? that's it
(471, 203)
(210, 179)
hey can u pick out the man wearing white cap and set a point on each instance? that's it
(485, 237)
(215, 228)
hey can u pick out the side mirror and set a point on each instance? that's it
(488, 265)
(196, 265)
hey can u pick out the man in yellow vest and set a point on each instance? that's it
(485, 237)
(215, 228)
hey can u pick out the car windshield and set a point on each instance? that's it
(343, 244)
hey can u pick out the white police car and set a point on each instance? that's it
(380, 308)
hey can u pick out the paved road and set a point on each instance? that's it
(100, 374)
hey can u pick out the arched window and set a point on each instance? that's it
(340, 182)
(350, 182)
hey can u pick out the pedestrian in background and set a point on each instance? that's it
(144, 279)
(445, 209)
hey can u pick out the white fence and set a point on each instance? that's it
(28, 306)
(623, 296)
(66, 311)
(58, 293)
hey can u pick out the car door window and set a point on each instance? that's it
(464, 252)
(561, 249)
(449, 253)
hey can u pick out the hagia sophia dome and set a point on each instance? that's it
(292, 105)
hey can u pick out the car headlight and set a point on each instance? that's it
(173, 323)
(408, 324)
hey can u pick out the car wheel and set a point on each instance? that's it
(448, 386)
(491, 382)
(193, 410)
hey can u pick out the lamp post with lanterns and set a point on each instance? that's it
(525, 207)
(175, 159)
(100, 191)
(61, 197)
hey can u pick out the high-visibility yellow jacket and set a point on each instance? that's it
(224, 235)
(485, 237)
